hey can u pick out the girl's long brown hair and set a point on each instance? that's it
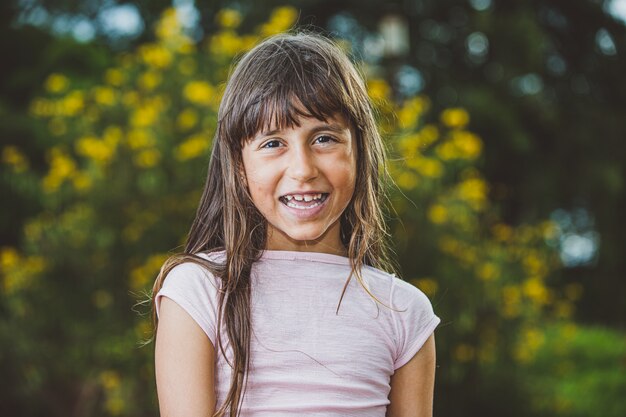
(284, 70)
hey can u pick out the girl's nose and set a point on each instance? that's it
(302, 166)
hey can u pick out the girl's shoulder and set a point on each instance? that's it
(216, 256)
(400, 290)
(194, 271)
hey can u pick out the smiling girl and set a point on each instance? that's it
(260, 315)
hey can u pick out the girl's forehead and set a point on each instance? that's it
(276, 113)
(336, 121)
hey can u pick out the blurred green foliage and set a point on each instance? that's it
(123, 156)
(578, 372)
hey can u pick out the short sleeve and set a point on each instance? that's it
(195, 289)
(415, 321)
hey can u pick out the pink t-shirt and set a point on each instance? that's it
(305, 359)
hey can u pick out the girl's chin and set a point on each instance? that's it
(305, 238)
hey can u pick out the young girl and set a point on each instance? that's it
(260, 315)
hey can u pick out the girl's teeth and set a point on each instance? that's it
(300, 197)
(292, 200)
(294, 205)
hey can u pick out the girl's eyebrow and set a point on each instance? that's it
(334, 127)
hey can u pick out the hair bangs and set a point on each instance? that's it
(293, 88)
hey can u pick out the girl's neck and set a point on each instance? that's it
(306, 246)
(329, 243)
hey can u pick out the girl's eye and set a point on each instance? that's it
(325, 139)
(271, 144)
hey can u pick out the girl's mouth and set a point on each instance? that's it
(303, 201)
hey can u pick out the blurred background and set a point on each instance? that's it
(506, 126)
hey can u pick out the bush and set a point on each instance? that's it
(126, 156)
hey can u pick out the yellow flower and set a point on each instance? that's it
(56, 83)
(149, 80)
(130, 98)
(114, 77)
(186, 47)
(409, 146)
(550, 230)
(461, 145)
(428, 134)
(9, 257)
(446, 151)
(455, 117)
(168, 26)
(488, 271)
(226, 43)
(62, 167)
(411, 111)
(104, 95)
(448, 245)
(511, 297)
(187, 119)
(535, 290)
(95, 149)
(82, 181)
(155, 55)
(12, 156)
(228, 18)
(193, 147)
(41, 107)
(23, 270)
(534, 265)
(199, 92)
(407, 180)
(144, 115)
(248, 42)
(110, 380)
(429, 167)
(532, 339)
(140, 138)
(474, 192)
(280, 20)
(147, 158)
(142, 275)
(72, 104)
(428, 285)
(438, 214)
(112, 135)
(115, 405)
(468, 145)
(502, 232)
(378, 89)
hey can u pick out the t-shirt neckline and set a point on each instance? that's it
(306, 256)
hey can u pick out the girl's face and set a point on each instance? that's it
(301, 179)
